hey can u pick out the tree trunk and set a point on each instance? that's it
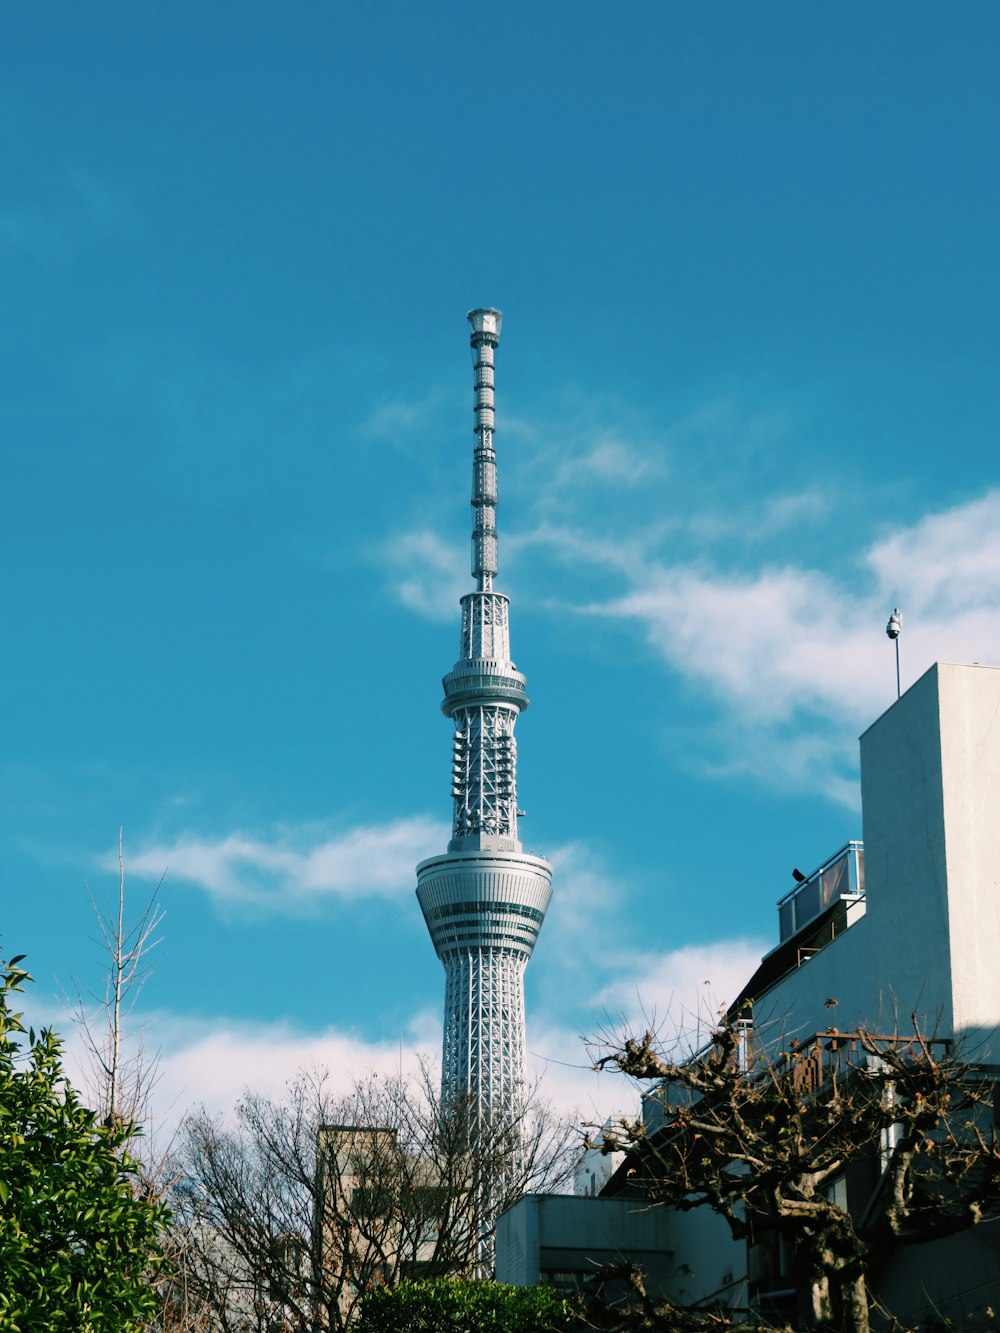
(820, 1305)
(856, 1305)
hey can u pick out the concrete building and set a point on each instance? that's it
(903, 927)
(595, 1168)
(907, 923)
(561, 1239)
(378, 1214)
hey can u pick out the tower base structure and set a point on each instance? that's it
(484, 909)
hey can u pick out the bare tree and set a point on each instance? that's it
(123, 1074)
(765, 1136)
(301, 1206)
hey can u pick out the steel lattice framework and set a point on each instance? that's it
(485, 899)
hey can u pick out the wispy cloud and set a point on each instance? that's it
(212, 1060)
(293, 869)
(590, 968)
(610, 460)
(758, 593)
(396, 418)
(759, 520)
(681, 992)
(793, 638)
(792, 658)
(766, 644)
(426, 573)
(677, 993)
(945, 565)
(588, 935)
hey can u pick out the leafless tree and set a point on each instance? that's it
(301, 1205)
(123, 1074)
(123, 1077)
(762, 1133)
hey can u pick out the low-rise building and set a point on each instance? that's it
(894, 935)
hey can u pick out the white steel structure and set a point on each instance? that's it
(484, 900)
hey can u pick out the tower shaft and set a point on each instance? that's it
(484, 900)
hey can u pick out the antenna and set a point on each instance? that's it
(485, 338)
(893, 630)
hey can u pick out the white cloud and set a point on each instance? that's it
(790, 638)
(583, 925)
(609, 460)
(212, 1061)
(765, 644)
(287, 872)
(759, 521)
(397, 418)
(561, 1062)
(219, 1060)
(427, 574)
(677, 994)
(793, 658)
(588, 969)
(680, 993)
(820, 759)
(787, 646)
(573, 545)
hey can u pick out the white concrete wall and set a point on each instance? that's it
(970, 760)
(930, 782)
(572, 1234)
(796, 1006)
(686, 1256)
(705, 1260)
(517, 1252)
(595, 1168)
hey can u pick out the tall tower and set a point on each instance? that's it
(484, 900)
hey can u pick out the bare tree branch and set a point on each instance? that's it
(760, 1131)
(304, 1204)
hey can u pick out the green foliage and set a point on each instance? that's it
(78, 1234)
(454, 1305)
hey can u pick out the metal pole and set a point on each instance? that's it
(893, 630)
(898, 689)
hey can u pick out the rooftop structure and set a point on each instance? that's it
(484, 899)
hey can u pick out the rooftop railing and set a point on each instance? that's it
(841, 876)
(831, 1055)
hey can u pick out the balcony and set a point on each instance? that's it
(842, 876)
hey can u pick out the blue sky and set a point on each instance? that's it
(747, 403)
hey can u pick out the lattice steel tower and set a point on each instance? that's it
(484, 900)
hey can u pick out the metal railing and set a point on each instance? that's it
(829, 1055)
(840, 876)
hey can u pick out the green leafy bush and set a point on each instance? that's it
(452, 1305)
(78, 1235)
